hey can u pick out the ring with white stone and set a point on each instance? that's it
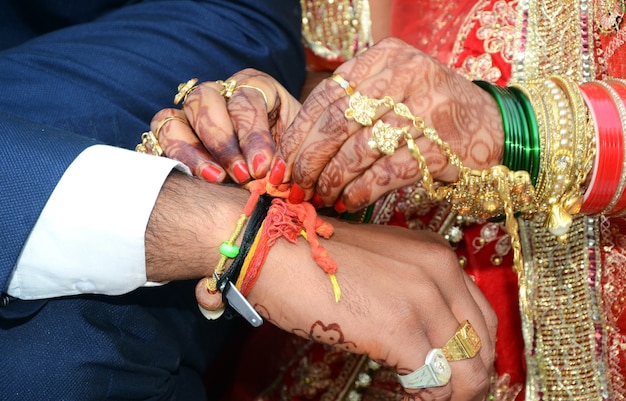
(435, 372)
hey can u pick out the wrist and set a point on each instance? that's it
(189, 221)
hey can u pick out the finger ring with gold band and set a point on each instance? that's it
(149, 144)
(228, 87)
(343, 83)
(253, 87)
(436, 372)
(164, 121)
(362, 108)
(184, 89)
(385, 138)
(464, 344)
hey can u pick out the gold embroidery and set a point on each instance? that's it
(614, 302)
(337, 29)
(480, 67)
(561, 330)
(496, 29)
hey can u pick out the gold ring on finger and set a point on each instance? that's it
(149, 144)
(228, 87)
(164, 121)
(343, 83)
(362, 108)
(385, 137)
(464, 344)
(184, 89)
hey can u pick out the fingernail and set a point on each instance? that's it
(278, 172)
(316, 201)
(296, 194)
(240, 170)
(211, 173)
(339, 206)
(258, 161)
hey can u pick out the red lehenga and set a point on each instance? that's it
(580, 288)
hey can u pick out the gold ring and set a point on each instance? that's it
(184, 89)
(343, 83)
(385, 138)
(165, 120)
(363, 108)
(464, 344)
(149, 144)
(253, 87)
(228, 87)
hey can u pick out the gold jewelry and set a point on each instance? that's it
(252, 87)
(464, 344)
(149, 144)
(343, 83)
(363, 108)
(184, 89)
(228, 87)
(338, 29)
(164, 121)
(385, 137)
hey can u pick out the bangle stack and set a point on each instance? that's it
(555, 145)
(521, 138)
(607, 182)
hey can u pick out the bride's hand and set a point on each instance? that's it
(326, 152)
(223, 132)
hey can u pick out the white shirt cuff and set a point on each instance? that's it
(90, 236)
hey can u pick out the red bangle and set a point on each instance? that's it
(609, 148)
(619, 86)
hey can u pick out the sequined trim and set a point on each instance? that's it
(336, 30)
(613, 275)
(562, 331)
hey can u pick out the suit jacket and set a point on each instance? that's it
(75, 73)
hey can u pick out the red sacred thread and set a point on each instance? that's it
(285, 220)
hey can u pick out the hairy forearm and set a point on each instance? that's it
(190, 219)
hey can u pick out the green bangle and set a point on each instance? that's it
(514, 128)
(523, 140)
(533, 131)
(507, 156)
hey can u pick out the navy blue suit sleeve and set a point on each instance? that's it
(102, 81)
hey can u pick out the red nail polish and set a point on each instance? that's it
(296, 194)
(258, 161)
(316, 201)
(240, 170)
(339, 206)
(278, 172)
(211, 173)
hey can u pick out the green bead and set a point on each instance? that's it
(229, 250)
